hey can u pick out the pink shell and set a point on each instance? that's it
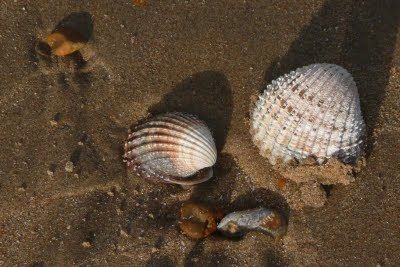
(172, 147)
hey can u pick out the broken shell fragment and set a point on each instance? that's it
(65, 41)
(139, 3)
(198, 221)
(263, 220)
(172, 148)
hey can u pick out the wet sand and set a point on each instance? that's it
(209, 58)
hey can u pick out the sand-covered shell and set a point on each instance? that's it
(64, 42)
(313, 111)
(173, 148)
(199, 221)
(261, 219)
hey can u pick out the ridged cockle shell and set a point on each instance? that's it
(173, 148)
(313, 111)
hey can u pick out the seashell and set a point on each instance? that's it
(70, 34)
(261, 219)
(173, 148)
(198, 221)
(312, 112)
(139, 3)
(65, 41)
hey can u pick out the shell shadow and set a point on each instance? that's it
(274, 259)
(217, 191)
(359, 36)
(197, 257)
(151, 202)
(197, 250)
(206, 94)
(160, 261)
(82, 22)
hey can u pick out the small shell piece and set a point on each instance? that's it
(314, 112)
(261, 219)
(173, 148)
(139, 3)
(198, 221)
(65, 41)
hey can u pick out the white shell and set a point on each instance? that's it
(170, 147)
(313, 111)
(260, 219)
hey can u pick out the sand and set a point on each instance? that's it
(66, 197)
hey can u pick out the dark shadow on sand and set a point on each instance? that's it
(197, 257)
(273, 259)
(217, 191)
(80, 22)
(157, 261)
(358, 35)
(205, 94)
(262, 198)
